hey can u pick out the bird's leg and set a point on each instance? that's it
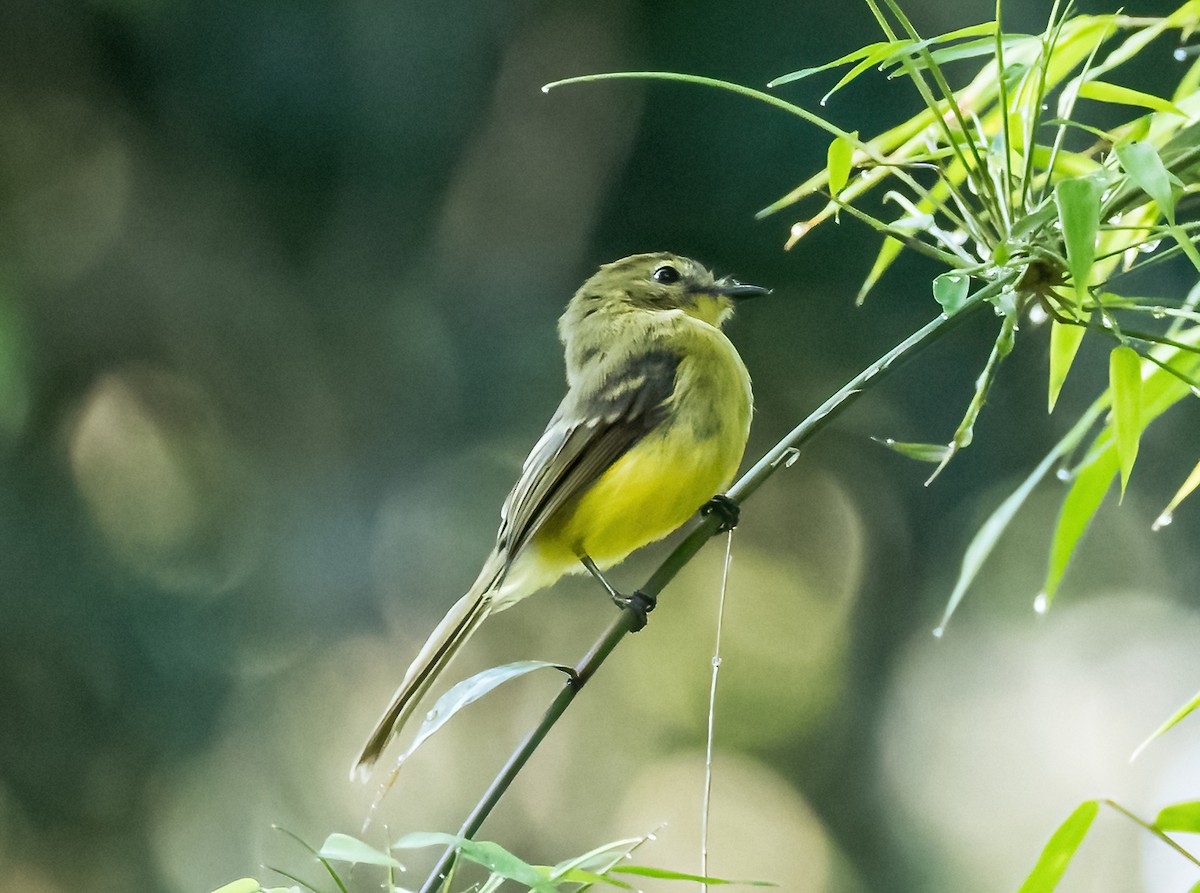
(725, 508)
(639, 602)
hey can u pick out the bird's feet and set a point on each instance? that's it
(726, 509)
(640, 604)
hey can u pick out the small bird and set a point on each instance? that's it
(653, 425)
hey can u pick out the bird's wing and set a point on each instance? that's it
(583, 439)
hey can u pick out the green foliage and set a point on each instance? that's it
(1048, 225)
(1056, 856)
(602, 865)
(1014, 206)
(1059, 850)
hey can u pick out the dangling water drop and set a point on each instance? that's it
(1163, 520)
(939, 632)
(1041, 603)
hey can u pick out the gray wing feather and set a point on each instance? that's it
(582, 441)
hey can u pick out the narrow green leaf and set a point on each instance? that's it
(950, 290)
(854, 72)
(491, 856)
(984, 46)
(1145, 168)
(1171, 722)
(666, 875)
(989, 533)
(1064, 343)
(1183, 817)
(582, 876)
(1189, 485)
(468, 692)
(1061, 848)
(864, 52)
(344, 848)
(1078, 203)
(912, 48)
(1083, 499)
(243, 885)
(599, 859)
(922, 452)
(888, 252)
(839, 157)
(1125, 383)
(1105, 92)
(1067, 164)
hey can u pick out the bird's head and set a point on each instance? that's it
(660, 281)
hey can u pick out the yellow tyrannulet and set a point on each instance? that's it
(654, 423)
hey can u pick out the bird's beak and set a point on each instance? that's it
(739, 291)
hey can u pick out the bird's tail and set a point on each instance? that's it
(435, 655)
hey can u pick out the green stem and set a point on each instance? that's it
(1157, 832)
(683, 553)
(768, 98)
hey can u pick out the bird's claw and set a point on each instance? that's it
(640, 604)
(726, 509)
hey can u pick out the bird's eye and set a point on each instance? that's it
(665, 274)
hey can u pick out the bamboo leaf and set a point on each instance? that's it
(1064, 343)
(839, 157)
(992, 529)
(1105, 92)
(467, 692)
(1061, 848)
(950, 289)
(912, 48)
(888, 252)
(242, 885)
(865, 52)
(1125, 383)
(1083, 499)
(344, 848)
(1078, 203)
(922, 452)
(1183, 817)
(1167, 514)
(665, 874)
(1173, 720)
(491, 856)
(1142, 163)
(1068, 164)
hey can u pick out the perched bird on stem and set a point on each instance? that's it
(652, 427)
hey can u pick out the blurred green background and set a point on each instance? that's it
(278, 286)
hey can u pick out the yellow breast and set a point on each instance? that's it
(657, 485)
